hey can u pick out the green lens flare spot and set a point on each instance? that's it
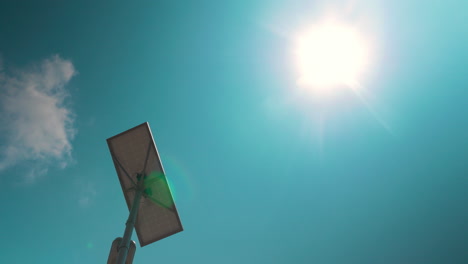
(157, 189)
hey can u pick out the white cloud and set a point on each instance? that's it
(35, 124)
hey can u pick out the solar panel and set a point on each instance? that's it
(134, 152)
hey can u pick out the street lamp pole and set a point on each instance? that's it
(130, 224)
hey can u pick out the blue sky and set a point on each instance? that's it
(260, 172)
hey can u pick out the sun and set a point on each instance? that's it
(329, 55)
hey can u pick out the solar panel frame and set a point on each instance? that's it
(127, 179)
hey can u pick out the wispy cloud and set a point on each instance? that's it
(35, 123)
(87, 194)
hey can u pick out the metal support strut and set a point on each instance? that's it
(130, 224)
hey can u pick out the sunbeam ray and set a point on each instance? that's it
(360, 91)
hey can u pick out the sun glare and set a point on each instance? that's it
(329, 55)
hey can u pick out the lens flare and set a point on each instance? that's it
(179, 178)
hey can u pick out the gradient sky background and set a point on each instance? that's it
(258, 176)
